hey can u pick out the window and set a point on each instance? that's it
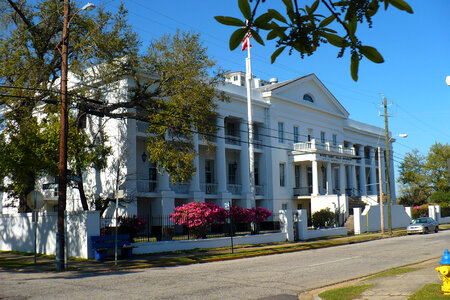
(209, 171)
(235, 78)
(297, 176)
(232, 173)
(334, 140)
(282, 174)
(152, 175)
(284, 206)
(310, 133)
(256, 174)
(322, 137)
(296, 139)
(280, 132)
(308, 98)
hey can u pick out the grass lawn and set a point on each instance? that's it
(345, 293)
(392, 272)
(429, 292)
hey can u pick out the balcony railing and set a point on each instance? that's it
(234, 189)
(303, 191)
(180, 188)
(257, 143)
(232, 139)
(146, 186)
(368, 161)
(314, 146)
(141, 126)
(259, 190)
(209, 188)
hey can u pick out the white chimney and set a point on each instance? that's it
(273, 80)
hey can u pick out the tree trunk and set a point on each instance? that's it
(81, 191)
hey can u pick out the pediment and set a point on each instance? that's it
(295, 90)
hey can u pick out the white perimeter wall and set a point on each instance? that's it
(370, 219)
(17, 232)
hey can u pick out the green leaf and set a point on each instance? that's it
(277, 32)
(230, 21)
(325, 22)
(334, 39)
(244, 6)
(275, 54)
(354, 65)
(402, 5)
(289, 6)
(276, 15)
(237, 37)
(263, 21)
(257, 37)
(371, 53)
(351, 25)
(341, 3)
(313, 7)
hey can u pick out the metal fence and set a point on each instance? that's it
(161, 228)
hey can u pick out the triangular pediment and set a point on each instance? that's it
(295, 90)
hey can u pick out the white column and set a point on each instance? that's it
(315, 178)
(244, 159)
(195, 181)
(329, 179)
(342, 179)
(362, 171)
(373, 172)
(221, 162)
(353, 171)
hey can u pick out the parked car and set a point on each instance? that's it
(422, 225)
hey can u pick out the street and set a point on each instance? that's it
(252, 278)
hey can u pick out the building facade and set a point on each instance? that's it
(308, 154)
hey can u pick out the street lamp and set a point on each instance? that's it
(63, 132)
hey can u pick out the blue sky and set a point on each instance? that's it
(415, 48)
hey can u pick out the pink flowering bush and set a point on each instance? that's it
(131, 225)
(419, 211)
(198, 216)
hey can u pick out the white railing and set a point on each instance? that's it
(232, 140)
(141, 126)
(209, 188)
(234, 189)
(146, 186)
(259, 190)
(180, 188)
(314, 146)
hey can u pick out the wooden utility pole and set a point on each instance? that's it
(381, 190)
(388, 174)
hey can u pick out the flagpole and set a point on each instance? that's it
(251, 158)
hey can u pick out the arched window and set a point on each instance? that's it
(308, 98)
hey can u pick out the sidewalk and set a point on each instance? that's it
(397, 287)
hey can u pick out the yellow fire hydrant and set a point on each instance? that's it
(444, 269)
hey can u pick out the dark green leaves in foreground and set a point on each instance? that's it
(305, 28)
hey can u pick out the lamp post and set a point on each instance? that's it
(63, 132)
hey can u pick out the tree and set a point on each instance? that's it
(425, 178)
(29, 67)
(305, 29)
(173, 91)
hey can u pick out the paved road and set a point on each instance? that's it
(252, 278)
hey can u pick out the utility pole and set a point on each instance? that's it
(388, 174)
(381, 190)
(63, 130)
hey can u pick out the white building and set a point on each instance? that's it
(308, 154)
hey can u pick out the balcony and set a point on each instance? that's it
(146, 186)
(209, 188)
(235, 189)
(368, 161)
(257, 143)
(232, 140)
(303, 191)
(313, 147)
(180, 188)
(259, 190)
(141, 126)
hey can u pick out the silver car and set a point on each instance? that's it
(422, 225)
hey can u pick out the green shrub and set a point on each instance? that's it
(440, 197)
(323, 218)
